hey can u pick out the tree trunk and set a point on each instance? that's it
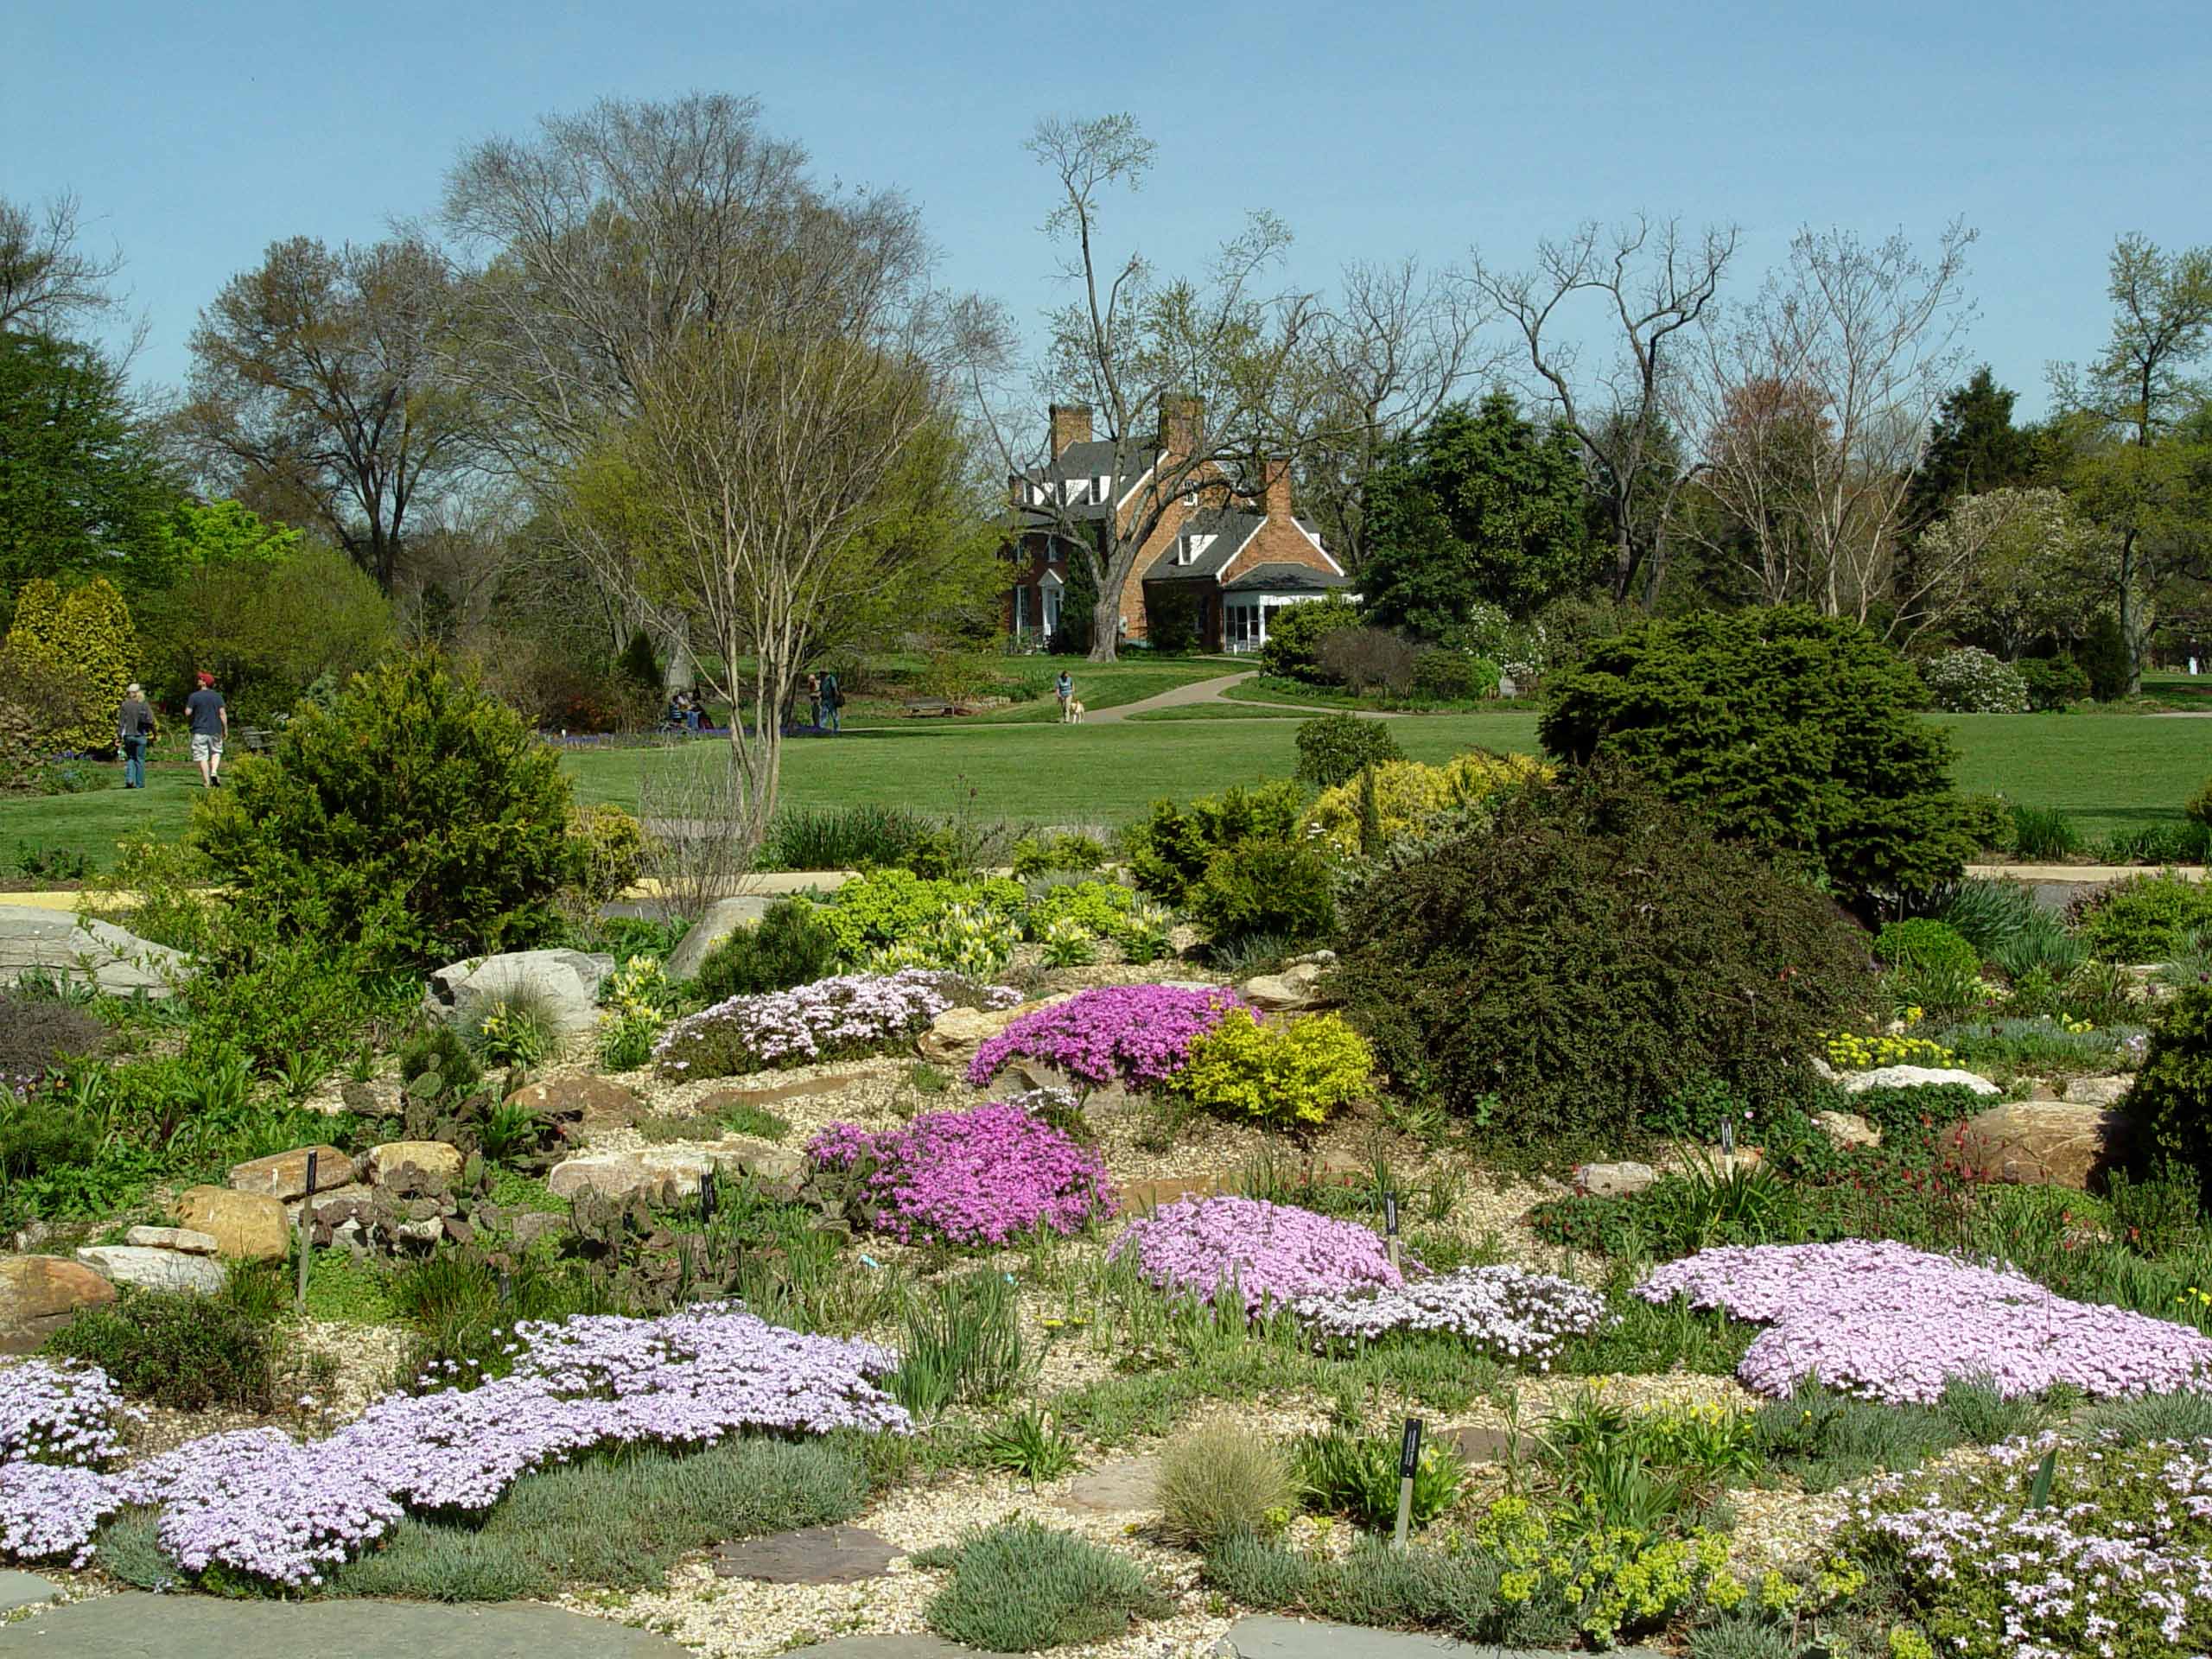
(1105, 629)
(2131, 622)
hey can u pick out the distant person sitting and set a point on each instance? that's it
(134, 730)
(211, 723)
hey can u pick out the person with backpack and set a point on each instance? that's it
(134, 729)
(832, 700)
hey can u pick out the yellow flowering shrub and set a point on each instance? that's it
(1611, 1581)
(1299, 1072)
(1849, 1051)
(1406, 791)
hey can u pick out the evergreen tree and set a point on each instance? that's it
(1079, 607)
(637, 664)
(1973, 448)
(85, 639)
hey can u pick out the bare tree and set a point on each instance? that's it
(1140, 348)
(316, 379)
(48, 282)
(1814, 404)
(1656, 281)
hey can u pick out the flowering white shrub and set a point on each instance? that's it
(1970, 681)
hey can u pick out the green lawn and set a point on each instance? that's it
(2108, 773)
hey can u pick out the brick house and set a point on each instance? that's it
(1232, 565)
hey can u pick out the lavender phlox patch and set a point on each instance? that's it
(1269, 1253)
(1880, 1319)
(50, 1511)
(847, 1013)
(65, 1413)
(1507, 1312)
(1137, 1034)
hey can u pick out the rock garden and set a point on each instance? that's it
(1603, 1205)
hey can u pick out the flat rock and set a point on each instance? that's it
(39, 1294)
(1617, 1181)
(1847, 1129)
(246, 1226)
(563, 984)
(24, 1590)
(723, 918)
(2047, 1143)
(190, 1240)
(154, 1270)
(670, 1174)
(954, 1035)
(1126, 1486)
(2099, 1091)
(1267, 1637)
(1477, 1444)
(811, 1556)
(284, 1175)
(774, 1094)
(1916, 1076)
(413, 1168)
(1298, 987)
(53, 942)
(579, 1097)
(137, 1626)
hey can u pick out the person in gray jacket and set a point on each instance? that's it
(134, 730)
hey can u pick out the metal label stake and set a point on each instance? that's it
(1390, 1229)
(306, 1233)
(1408, 1461)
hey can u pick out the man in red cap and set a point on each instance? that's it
(210, 724)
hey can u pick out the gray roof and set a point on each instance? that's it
(1286, 579)
(1231, 531)
(1090, 460)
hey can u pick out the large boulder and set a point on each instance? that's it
(284, 1175)
(2099, 1091)
(32, 938)
(574, 1099)
(954, 1035)
(564, 984)
(1617, 1180)
(1295, 989)
(412, 1169)
(172, 1270)
(247, 1226)
(39, 1294)
(2050, 1142)
(664, 1175)
(1916, 1076)
(723, 918)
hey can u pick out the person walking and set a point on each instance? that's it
(1063, 688)
(134, 729)
(211, 723)
(832, 700)
(814, 701)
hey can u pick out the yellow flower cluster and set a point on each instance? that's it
(1406, 791)
(1611, 1578)
(1849, 1051)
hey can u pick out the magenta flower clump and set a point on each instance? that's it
(977, 1176)
(1137, 1034)
(1265, 1253)
(1890, 1323)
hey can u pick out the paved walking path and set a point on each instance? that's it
(204, 1627)
(1181, 696)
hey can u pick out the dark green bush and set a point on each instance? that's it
(1169, 851)
(1019, 1587)
(1450, 675)
(191, 1353)
(1791, 731)
(1334, 749)
(1295, 632)
(1275, 889)
(2145, 918)
(1987, 820)
(2053, 681)
(39, 1032)
(40, 1134)
(1923, 942)
(2105, 658)
(791, 946)
(1559, 976)
(420, 819)
(442, 1049)
(2169, 1108)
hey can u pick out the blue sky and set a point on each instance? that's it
(195, 135)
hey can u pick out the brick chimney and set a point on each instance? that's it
(1071, 424)
(1275, 491)
(1181, 422)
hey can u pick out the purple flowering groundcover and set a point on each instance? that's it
(1138, 1035)
(1264, 1253)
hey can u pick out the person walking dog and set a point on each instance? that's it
(1063, 688)
(134, 729)
(210, 724)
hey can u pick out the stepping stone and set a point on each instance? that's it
(1270, 1637)
(811, 1556)
(24, 1590)
(1130, 1486)
(1478, 1445)
(137, 1626)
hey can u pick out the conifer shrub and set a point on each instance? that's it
(1558, 976)
(2169, 1108)
(1333, 749)
(85, 640)
(791, 946)
(1168, 853)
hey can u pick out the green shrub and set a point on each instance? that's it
(1346, 1473)
(1970, 681)
(842, 838)
(1559, 976)
(1101, 908)
(1295, 632)
(2145, 918)
(791, 946)
(194, 1353)
(1922, 943)
(2169, 1108)
(1033, 855)
(1293, 1076)
(2053, 682)
(1018, 1587)
(1223, 1481)
(1447, 676)
(1791, 731)
(1169, 852)
(273, 996)
(419, 818)
(38, 1032)
(2105, 658)
(1335, 748)
(440, 1049)
(2198, 809)
(1281, 889)
(2043, 834)
(1988, 822)
(885, 909)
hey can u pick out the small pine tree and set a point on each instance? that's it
(637, 664)
(1079, 603)
(85, 638)
(1370, 815)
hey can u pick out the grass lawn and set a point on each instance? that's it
(2107, 773)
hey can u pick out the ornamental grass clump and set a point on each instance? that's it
(1887, 1322)
(1506, 1312)
(979, 1177)
(830, 1019)
(1137, 1035)
(1211, 1248)
(1019, 1587)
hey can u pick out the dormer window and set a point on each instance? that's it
(1188, 549)
(1104, 486)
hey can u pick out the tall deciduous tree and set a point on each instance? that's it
(50, 282)
(1482, 507)
(1652, 281)
(317, 393)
